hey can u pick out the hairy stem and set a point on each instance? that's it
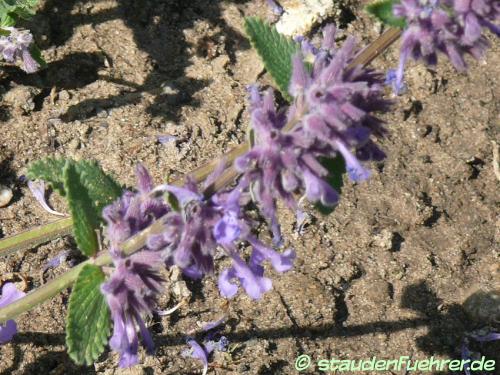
(36, 236)
(138, 241)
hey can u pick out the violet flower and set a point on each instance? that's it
(132, 288)
(280, 163)
(16, 46)
(333, 111)
(9, 295)
(133, 212)
(339, 105)
(452, 27)
(131, 295)
(234, 228)
(187, 240)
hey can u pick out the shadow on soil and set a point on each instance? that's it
(446, 330)
(157, 26)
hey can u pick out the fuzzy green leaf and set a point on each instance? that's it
(85, 217)
(50, 170)
(102, 188)
(336, 170)
(382, 9)
(88, 322)
(13, 10)
(275, 49)
(37, 56)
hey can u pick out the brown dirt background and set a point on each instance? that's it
(385, 275)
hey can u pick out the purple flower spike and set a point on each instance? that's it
(131, 292)
(16, 46)
(133, 211)
(9, 295)
(452, 27)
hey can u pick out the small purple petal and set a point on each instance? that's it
(227, 229)
(198, 352)
(275, 7)
(37, 188)
(9, 294)
(7, 331)
(226, 287)
(57, 260)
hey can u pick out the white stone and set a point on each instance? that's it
(301, 15)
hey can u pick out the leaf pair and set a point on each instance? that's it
(88, 190)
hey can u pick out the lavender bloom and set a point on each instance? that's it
(133, 212)
(130, 293)
(132, 288)
(9, 295)
(479, 337)
(16, 46)
(234, 227)
(452, 27)
(333, 110)
(492, 336)
(187, 240)
(391, 80)
(197, 352)
(474, 15)
(280, 163)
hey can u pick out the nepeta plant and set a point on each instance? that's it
(17, 44)
(296, 153)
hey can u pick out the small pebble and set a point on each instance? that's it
(5, 196)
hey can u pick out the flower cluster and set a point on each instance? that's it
(16, 46)
(332, 115)
(452, 27)
(132, 288)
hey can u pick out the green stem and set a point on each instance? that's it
(58, 284)
(36, 236)
(138, 241)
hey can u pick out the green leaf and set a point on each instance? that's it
(13, 10)
(275, 49)
(37, 56)
(382, 9)
(85, 217)
(50, 170)
(88, 322)
(336, 170)
(102, 188)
